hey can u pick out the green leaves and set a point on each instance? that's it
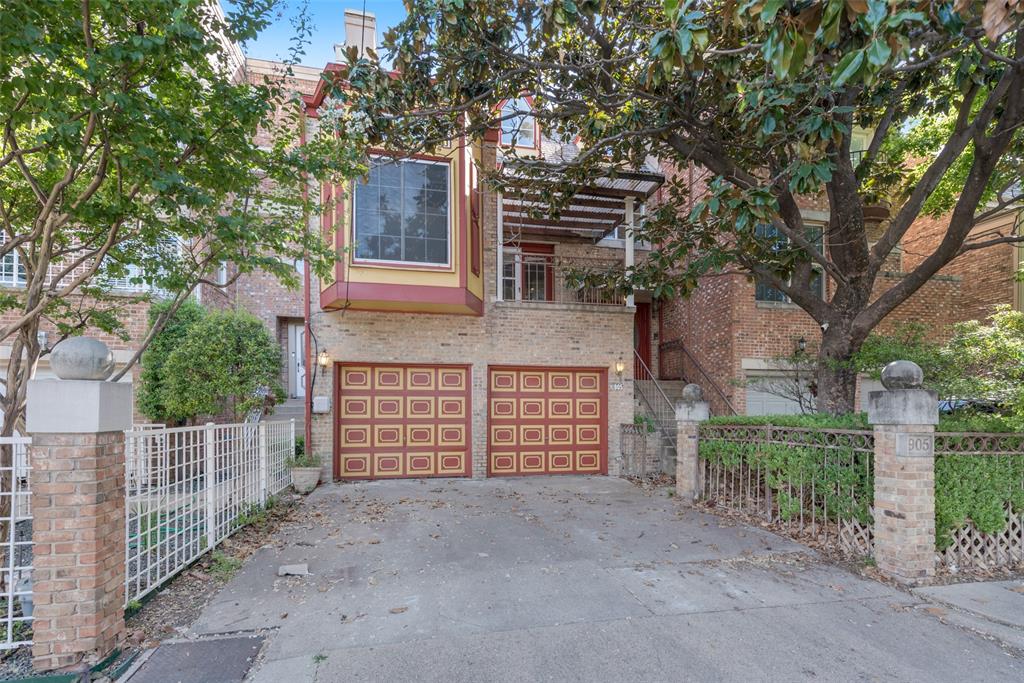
(847, 68)
(226, 362)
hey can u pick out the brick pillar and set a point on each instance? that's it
(904, 418)
(690, 412)
(78, 528)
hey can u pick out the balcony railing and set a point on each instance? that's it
(549, 278)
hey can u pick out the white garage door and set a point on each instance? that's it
(766, 396)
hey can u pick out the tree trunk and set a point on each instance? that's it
(836, 376)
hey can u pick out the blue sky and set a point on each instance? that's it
(328, 28)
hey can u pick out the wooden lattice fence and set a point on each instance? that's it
(996, 461)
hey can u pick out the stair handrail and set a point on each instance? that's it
(669, 433)
(711, 381)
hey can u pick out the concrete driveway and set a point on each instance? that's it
(569, 579)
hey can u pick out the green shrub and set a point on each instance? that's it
(644, 421)
(843, 488)
(227, 363)
(152, 391)
(303, 460)
(975, 488)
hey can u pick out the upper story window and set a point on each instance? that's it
(221, 276)
(401, 212)
(764, 291)
(12, 271)
(518, 128)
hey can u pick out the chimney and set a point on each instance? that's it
(360, 32)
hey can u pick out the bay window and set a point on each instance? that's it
(401, 212)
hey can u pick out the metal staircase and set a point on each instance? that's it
(658, 406)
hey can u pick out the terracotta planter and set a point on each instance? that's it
(876, 212)
(305, 479)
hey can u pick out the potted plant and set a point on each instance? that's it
(305, 470)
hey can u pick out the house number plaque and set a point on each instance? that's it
(911, 445)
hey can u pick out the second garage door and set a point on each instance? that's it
(546, 420)
(402, 421)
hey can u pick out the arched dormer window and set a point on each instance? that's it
(518, 128)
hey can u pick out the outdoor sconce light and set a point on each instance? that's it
(323, 360)
(620, 367)
(801, 345)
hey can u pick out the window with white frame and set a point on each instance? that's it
(12, 271)
(221, 276)
(766, 292)
(518, 126)
(526, 276)
(401, 212)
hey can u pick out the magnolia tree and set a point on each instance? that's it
(761, 99)
(129, 156)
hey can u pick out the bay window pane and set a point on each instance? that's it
(406, 203)
(437, 251)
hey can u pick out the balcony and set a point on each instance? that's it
(550, 278)
(528, 267)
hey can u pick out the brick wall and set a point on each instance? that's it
(78, 552)
(987, 274)
(509, 333)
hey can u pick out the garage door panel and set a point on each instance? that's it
(355, 377)
(547, 420)
(355, 465)
(402, 421)
(452, 407)
(453, 379)
(420, 407)
(503, 381)
(532, 408)
(355, 437)
(450, 463)
(388, 379)
(355, 407)
(421, 379)
(420, 464)
(588, 461)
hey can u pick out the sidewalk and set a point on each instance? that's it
(992, 608)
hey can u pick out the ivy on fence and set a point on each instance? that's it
(979, 475)
(835, 487)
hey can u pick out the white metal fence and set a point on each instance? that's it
(15, 543)
(189, 488)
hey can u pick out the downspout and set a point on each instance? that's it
(306, 291)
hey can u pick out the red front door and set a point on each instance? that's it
(642, 340)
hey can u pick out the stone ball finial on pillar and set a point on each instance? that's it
(692, 393)
(902, 374)
(691, 406)
(82, 358)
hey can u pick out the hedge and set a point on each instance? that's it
(967, 487)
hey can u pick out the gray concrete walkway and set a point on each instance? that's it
(570, 579)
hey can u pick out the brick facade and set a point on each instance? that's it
(729, 334)
(78, 553)
(987, 275)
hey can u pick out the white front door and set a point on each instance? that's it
(296, 360)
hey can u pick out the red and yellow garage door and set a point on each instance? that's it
(547, 421)
(402, 421)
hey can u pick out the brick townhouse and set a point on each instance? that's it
(732, 333)
(449, 341)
